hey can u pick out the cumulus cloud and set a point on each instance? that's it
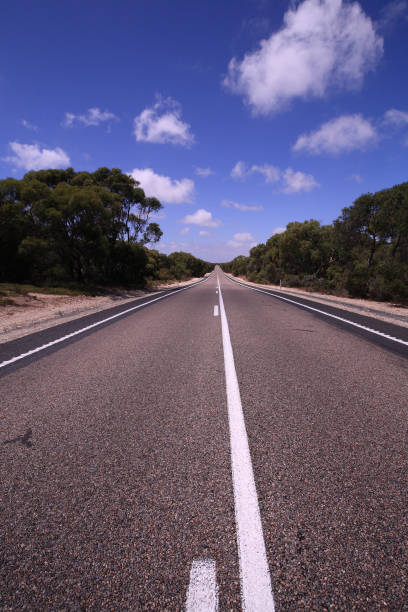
(322, 44)
(204, 172)
(29, 126)
(270, 173)
(204, 233)
(237, 206)
(289, 181)
(242, 240)
(31, 157)
(277, 230)
(164, 188)
(202, 218)
(162, 123)
(184, 231)
(93, 116)
(344, 133)
(239, 171)
(396, 117)
(207, 249)
(295, 182)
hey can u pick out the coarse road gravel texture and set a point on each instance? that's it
(116, 472)
(326, 414)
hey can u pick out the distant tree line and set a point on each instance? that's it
(363, 253)
(62, 226)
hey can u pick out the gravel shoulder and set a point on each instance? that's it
(37, 311)
(384, 311)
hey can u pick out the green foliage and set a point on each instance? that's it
(62, 226)
(364, 253)
(178, 265)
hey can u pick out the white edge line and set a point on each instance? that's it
(3, 364)
(256, 588)
(202, 594)
(327, 314)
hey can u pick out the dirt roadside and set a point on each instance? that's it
(36, 311)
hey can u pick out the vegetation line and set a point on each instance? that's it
(81, 229)
(363, 253)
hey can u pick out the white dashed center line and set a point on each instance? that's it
(216, 310)
(256, 588)
(202, 594)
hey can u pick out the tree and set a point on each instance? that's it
(14, 225)
(62, 224)
(363, 253)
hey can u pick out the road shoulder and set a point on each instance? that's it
(383, 311)
(44, 311)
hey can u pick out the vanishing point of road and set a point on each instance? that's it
(215, 447)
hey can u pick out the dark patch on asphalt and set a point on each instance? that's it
(25, 439)
(304, 330)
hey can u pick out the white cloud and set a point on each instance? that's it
(242, 240)
(291, 181)
(277, 230)
(244, 207)
(239, 171)
(243, 237)
(295, 182)
(164, 188)
(202, 218)
(31, 157)
(184, 231)
(392, 13)
(93, 116)
(396, 117)
(344, 133)
(207, 249)
(271, 173)
(356, 177)
(29, 126)
(204, 233)
(204, 172)
(322, 43)
(162, 123)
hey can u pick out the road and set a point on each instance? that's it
(135, 452)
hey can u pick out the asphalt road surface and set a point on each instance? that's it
(216, 447)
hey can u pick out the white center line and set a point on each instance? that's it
(256, 588)
(202, 594)
(215, 310)
(3, 364)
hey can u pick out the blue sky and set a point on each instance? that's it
(239, 116)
